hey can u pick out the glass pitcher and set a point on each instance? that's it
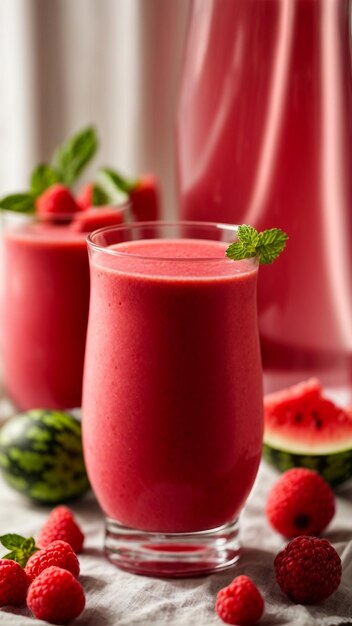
(265, 138)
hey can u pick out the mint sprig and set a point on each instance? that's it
(68, 162)
(73, 155)
(21, 548)
(18, 202)
(267, 245)
(120, 182)
(99, 197)
(42, 177)
(113, 185)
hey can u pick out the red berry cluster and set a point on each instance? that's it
(58, 202)
(98, 204)
(48, 583)
(308, 569)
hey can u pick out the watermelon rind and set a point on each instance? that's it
(335, 468)
(41, 456)
(303, 428)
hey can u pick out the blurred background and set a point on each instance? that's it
(111, 63)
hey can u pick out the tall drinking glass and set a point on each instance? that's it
(44, 300)
(172, 394)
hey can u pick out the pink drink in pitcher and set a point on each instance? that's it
(265, 138)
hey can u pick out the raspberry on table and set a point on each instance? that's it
(61, 524)
(240, 602)
(300, 503)
(57, 553)
(308, 570)
(56, 200)
(13, 583)
(56, 596)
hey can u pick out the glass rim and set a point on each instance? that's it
(64, 217)
(214, 226)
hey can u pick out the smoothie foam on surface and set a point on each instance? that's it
(173, 257)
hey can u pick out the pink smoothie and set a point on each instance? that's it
(265, 138)
(44, 305)
(45, 312)
(172, 401)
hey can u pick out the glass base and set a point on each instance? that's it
(172, 555)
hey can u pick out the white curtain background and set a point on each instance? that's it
(114, 63)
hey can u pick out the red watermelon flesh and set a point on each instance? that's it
(96, 217)
(301, 419)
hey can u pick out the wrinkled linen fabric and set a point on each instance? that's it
(116, 598)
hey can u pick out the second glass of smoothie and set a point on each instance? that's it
(44, 304)
(172, 395)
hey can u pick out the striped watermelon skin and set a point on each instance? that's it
(303, 428)
(335, 468)
(41, 456)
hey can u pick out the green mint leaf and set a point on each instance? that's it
(28, 544)
(12, 541)
(21, 548)
(43, 176)
(99, 196)
(19, 556)
(19, 202)
(74, 154)
(271, 243)
(238, 251)
(119, 181)
(248, 235)
(109, 182)
(247, 244)
(267, 244)
(10, 555)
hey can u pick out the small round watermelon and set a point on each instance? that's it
(305, 429)
(41, 456)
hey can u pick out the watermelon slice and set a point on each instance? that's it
(96, 217)
(305, 429)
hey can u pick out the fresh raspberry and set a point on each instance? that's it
(300, 503)
(240, 602)
(56, 596)
(308, 570)
(56, 200)
(13, 583)
(58, 553)
(85, 197)
(61, 524)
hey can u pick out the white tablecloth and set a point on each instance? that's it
(116, 598)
